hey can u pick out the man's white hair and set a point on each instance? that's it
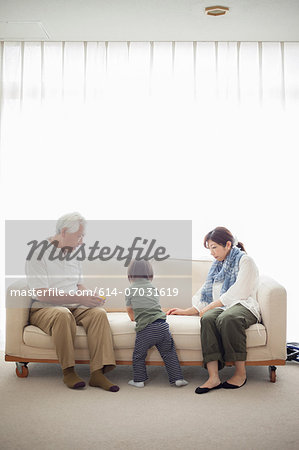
(71, 222)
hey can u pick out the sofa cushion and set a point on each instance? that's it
(185, 331)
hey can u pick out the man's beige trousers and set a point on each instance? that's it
(60, 323)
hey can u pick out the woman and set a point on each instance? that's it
(227, 306)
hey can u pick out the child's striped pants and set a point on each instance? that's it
(158, 334)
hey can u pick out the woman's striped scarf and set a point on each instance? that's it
(222, 271)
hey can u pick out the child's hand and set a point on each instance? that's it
(130, 313)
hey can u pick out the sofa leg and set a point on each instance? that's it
(22, 369)
(272, 373)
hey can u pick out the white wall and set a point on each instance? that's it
(140, 157)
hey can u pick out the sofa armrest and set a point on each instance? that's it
(17, 316)
(272, 298)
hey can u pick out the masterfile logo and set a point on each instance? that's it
(144, 251)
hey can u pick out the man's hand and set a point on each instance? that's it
(92, 301)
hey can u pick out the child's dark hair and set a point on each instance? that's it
(140, 269)
(221, 235)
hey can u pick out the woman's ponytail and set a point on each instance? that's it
(241, 246)
(221, 236)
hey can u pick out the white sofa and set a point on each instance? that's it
(266, 342)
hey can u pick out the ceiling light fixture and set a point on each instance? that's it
(216, 10)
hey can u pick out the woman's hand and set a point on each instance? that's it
(175, 311)
(211, 305)
(183, 312)
(204, 310)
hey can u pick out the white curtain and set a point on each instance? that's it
(157, 130)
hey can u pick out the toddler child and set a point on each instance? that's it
(151, 328)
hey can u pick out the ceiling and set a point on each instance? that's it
(148, 20)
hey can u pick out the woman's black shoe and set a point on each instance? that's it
(200, 390)
(227, 385)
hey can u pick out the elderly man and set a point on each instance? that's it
(58, 315)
